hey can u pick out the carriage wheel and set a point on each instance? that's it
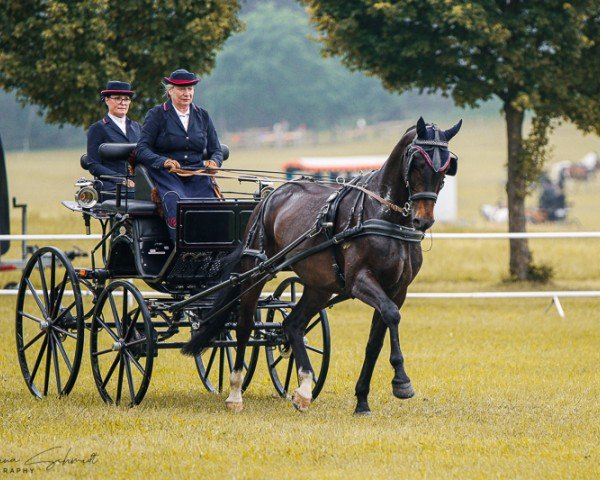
(317, 338)
(49, 323)
(122, 345)
(215, 364)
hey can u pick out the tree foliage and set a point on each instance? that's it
(538, 57)
(273, 71)
(60, 54)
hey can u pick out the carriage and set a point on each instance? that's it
(358, 239)
(59, 304)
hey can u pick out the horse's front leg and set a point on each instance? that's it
(401, 386)
(367, 289)
(374, 345)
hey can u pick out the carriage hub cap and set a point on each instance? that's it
(118, 345)
(44, 325)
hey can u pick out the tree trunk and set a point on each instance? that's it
(516, 187)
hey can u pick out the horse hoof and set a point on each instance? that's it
(235, 407)
(300, 403)
(362, 413)
(404, 390)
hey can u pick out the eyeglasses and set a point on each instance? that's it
(121, 99)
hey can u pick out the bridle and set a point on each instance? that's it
(418, 146)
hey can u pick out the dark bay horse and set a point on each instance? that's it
(395, 204)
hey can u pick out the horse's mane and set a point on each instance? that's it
(404, 141)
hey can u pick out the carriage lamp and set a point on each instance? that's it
(86, 196)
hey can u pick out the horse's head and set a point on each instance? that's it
(427, 160)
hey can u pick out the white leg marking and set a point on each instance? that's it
(234, 400)
(303, 394)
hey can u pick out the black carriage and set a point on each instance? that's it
(58, 303)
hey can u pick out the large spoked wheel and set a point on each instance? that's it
(49, 323)
(317, 338)
(215, 363)
(122, 345)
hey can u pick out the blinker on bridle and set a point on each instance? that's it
(418, 146)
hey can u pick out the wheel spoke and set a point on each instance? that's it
(288, 374)
(64, 332)
(276, 361)
(221, 367)
(110, 371)
(54, 340)
(59, 296)
(135, 362)
(129, 379)
(210, 362)
(38, 360)
(47, 372)
(313, 349)
(36, 297)
(32, 341)
(107, 328)
(312, 325)
(120, 379)
(63, 353)
(131, 325)
(115, 313)
(65, 311)
(40, 266)
(29, 316)
(51, 290)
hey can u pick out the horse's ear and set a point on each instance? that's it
(453, 131)
(421, 129)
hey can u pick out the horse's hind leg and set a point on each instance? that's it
(374, 345)
(245, 324)
(294, 327)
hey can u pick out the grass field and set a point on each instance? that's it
(505, 388)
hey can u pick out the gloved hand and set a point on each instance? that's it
(170, 164)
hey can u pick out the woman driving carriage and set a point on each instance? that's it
(174, 137)
(115, 127)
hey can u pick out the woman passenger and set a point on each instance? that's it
(115, 127)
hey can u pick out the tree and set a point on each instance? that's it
(60, 54)
(273, 71)
(537, 57)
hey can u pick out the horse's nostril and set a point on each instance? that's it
(422, 224)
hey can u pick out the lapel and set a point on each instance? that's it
(129, 129)
(174, 117)
(110, 124)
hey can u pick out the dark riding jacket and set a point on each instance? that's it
(164, 137)
(106, 131)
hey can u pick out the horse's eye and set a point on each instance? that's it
(442, 184)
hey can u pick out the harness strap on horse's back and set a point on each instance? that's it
(377, 227)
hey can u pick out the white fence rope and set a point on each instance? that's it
(554, 295)
(429, 235)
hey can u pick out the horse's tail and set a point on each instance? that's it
(219, 313)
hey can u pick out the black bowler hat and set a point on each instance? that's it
(182, 78)
(114, 87)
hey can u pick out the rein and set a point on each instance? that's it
(405, 211)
